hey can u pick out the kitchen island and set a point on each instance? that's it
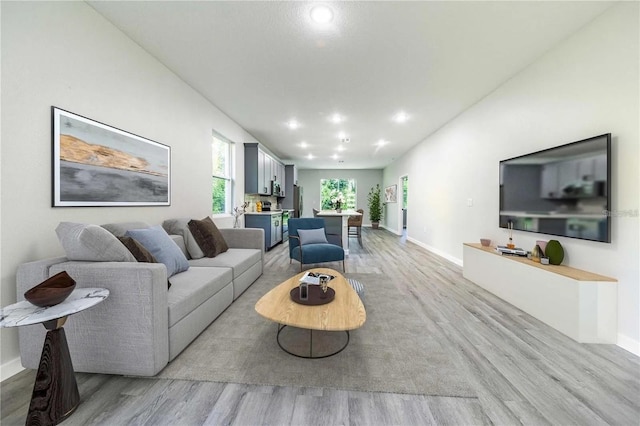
(339, 221)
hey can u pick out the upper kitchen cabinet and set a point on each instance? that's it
(256, 170)
(260, 169)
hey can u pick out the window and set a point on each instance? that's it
(222, 176)
(330, 188)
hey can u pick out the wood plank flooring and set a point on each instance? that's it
(523, 371)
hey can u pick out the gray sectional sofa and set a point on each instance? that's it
(143, 325)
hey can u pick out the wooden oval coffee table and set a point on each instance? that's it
(346, 312)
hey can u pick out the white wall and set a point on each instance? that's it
(67, 55)
(586, 86)
(365, 179)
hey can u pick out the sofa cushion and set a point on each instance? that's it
(208, 236)
(91, 243)
(181, 227)
(192, 288)
(121, 228)
(162, 247)
(238, 259)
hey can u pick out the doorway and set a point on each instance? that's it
(404, 185)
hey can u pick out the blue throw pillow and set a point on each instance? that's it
(162, 247)
(312, 236)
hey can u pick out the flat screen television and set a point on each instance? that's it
(563, 191)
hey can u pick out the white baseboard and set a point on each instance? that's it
(629, 344)
(436, 251)
(11, 368)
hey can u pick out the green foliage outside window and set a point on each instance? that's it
(330, 188)
(221, 173)
(219, 195)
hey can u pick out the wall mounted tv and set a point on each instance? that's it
(563, 191)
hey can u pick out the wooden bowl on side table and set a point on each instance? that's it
(51, 291)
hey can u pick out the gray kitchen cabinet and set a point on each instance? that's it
(257, 170)
(270, 223)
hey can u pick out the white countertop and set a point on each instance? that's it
(271, 213)
(335, 213)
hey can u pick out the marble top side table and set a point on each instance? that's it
(55, 392)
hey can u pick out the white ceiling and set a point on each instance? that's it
(264, 63)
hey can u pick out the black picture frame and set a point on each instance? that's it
(97, 165)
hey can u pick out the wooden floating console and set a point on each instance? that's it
(580, 304)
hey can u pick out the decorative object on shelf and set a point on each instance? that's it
(391, 194)
(99, 165)
(554, 252)
(536, 253)
(542, 244)
(544, 260)
(375, 206)
(237, 212)
(510, 244)
(51, 291)
(485, 242)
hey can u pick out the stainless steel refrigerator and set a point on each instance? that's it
(297, 201)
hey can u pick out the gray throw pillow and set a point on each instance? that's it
(312, 236)
(181, 227)
(91, 243)
(162, 247)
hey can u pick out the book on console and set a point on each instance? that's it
(504, 249)
(314, 278)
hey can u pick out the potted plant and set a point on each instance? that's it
(375, 206)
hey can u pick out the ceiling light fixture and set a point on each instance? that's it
(310, 156)
(335, 118)
(401, 117)
(341, 148)
(303, 144)
(293, 124)
(334, 156)
(321, 14)
(342, 135)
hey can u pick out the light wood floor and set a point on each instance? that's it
(523, 371)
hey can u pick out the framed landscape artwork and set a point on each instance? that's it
(391, 194)
(99, 165)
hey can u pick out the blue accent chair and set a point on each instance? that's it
(313, 253)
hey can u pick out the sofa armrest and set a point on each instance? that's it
(252, 238)
(125, 334)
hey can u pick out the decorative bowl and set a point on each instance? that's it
(51, 291)
(485, 242)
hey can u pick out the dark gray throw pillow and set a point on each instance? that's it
(139, 252)
(208, 237)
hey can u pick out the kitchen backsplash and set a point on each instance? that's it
(253, 198)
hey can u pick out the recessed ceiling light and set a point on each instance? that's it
(401, 117)
(334, 156)
(382, 142)
(293, 124)
(303, 144)
(342, 135)
(335, 118)
(341, 148)
(310, 156)
(321, 14)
